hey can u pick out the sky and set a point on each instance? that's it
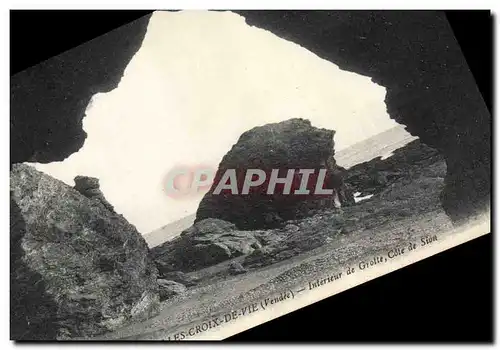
(199, 80)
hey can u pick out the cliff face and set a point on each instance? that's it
(82, 269)
(291, 144)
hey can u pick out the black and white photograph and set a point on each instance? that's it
(195, 173)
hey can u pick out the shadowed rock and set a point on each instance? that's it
(89, 187)
(91, 264)
(413, 54)
(48, 101)
(376, 175)
(414, 175)
(33, 312)
(207, 243)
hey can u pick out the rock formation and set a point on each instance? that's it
(235, 268)
(412, 178)
(83, 269)
(213, 241)
(89, 187)
(296, 237)
(169, 289)
(207, 243)
(33, 312)
(376, 175)
(58, 90)
(291, 144)
(177, 276)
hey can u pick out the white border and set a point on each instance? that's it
(149, 4)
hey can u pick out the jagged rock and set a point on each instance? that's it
(33, 313)
(295, 238)
(396, 200)
(262, 257)
(169, 289)
(177, 276)
(207, 243)
(235, 268)
(291, 144)
(420, 92)
(90, 266)
(89, 187)
(209, 226)
(211, 253)
(376, 175)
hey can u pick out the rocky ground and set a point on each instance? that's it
(404, 206)
(96, 279)
(77, 268)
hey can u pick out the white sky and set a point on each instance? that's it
(198, 82)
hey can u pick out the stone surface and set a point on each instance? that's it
(177, 276)
(208, 227)
(90, 188)
(296, 237)
(415, 168)
(235, 268)
(207, 243)
(291, 144)
(374, 176)
(169, 289)
(89, 266)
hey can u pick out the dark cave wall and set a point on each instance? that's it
(48, 101)
(413, 54)
(430, 89)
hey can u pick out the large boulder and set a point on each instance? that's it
(83, 269)
(207, 243)
(291, 144)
